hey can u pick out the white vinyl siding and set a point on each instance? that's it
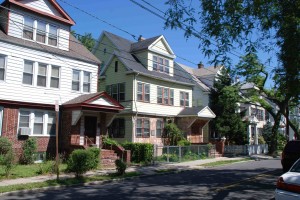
(2, 67)
(41, 122)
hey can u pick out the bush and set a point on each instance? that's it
(120, 167)
(108, 141)
(140, 152)
(183, 142)
(29, 148)
(8, 162)
(173, 133)
(46, 167)
(95, 154)
(5, 145)
(81, 161)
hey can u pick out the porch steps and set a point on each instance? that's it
(108, 158)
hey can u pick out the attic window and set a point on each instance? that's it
(116, 66)
(161, 64)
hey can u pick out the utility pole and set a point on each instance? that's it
(56, 137)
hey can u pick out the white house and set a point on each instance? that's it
(42, 63)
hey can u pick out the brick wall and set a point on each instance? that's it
(10, 131)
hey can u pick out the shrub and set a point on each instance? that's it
(183, 142)
(173, 133)
(120, 167)
(5, 145)
(94, 162)
(29, 148)
(140, 152)
(108, 141)
(46, 167)
(80, 161)
(8, 162)
(261, 140)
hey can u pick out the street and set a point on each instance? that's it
(246, 180)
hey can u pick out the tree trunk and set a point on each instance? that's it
(273, 147)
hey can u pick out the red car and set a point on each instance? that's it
(290, 154)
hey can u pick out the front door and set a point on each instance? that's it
(90, 129)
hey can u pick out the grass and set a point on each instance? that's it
(23, 171)
(223, 162)
(65, 182)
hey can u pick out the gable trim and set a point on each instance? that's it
(165, 43)
(67, 19)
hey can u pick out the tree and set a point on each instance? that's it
(248, 26)
(87, 40)
(223, 101)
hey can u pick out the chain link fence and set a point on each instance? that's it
(183, 153)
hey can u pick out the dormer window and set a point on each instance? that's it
(28, 28)
(161, 64)
(40, 31)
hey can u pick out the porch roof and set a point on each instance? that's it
(99, 101)
(200, 111)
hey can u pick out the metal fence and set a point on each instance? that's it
(234, 150)
(183, 153)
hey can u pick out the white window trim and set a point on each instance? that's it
(5, 68)
(35, 22)
(81, 81)
(35, 75)
(31, 122)
(1, 119)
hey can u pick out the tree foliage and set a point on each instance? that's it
(87, 40)
(223, 101)
(242, 27)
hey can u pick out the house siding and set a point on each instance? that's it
(43, 6)
(105, 43)
(33, 94)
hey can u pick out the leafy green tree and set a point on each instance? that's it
(87, 40)
(265, 26)
(173, 135)
(223, 101)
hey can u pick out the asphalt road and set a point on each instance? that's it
(247, 180)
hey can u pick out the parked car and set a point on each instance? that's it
(288, 184)
(290, 154)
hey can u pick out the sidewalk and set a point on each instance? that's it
(144, 170)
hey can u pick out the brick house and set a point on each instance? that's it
(40, 63)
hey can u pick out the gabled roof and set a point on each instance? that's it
(76, 50)
(133, 65)
(94, 101)
(204, 71)
(204, 112)
(65, 17)
(144, 44)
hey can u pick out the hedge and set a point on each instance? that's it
(140, 152)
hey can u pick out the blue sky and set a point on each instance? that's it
(128, 16)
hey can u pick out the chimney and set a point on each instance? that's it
(200, 65)
(141, 38)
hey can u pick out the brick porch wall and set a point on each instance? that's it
(10, 131)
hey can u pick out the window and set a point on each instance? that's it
(42, 75)
(24, 119)
(117, 91)
(41, 122)
(52, 40)
(38, 123)
(259, 114)
(161, 64)
(165, 96)
(54, 80)
(51, 125)
(143, 128)
(41, 32)
(28, 73)
(76, 80)
(28, 28)
(159, 127)
(143, 92)
(117, 128)
(2, 67)
(116, 66)
(184, 99)
(86, 81)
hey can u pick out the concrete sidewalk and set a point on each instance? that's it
(144, 170)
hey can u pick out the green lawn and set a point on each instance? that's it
(223, 162)
(65, 182)
(22, 171)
